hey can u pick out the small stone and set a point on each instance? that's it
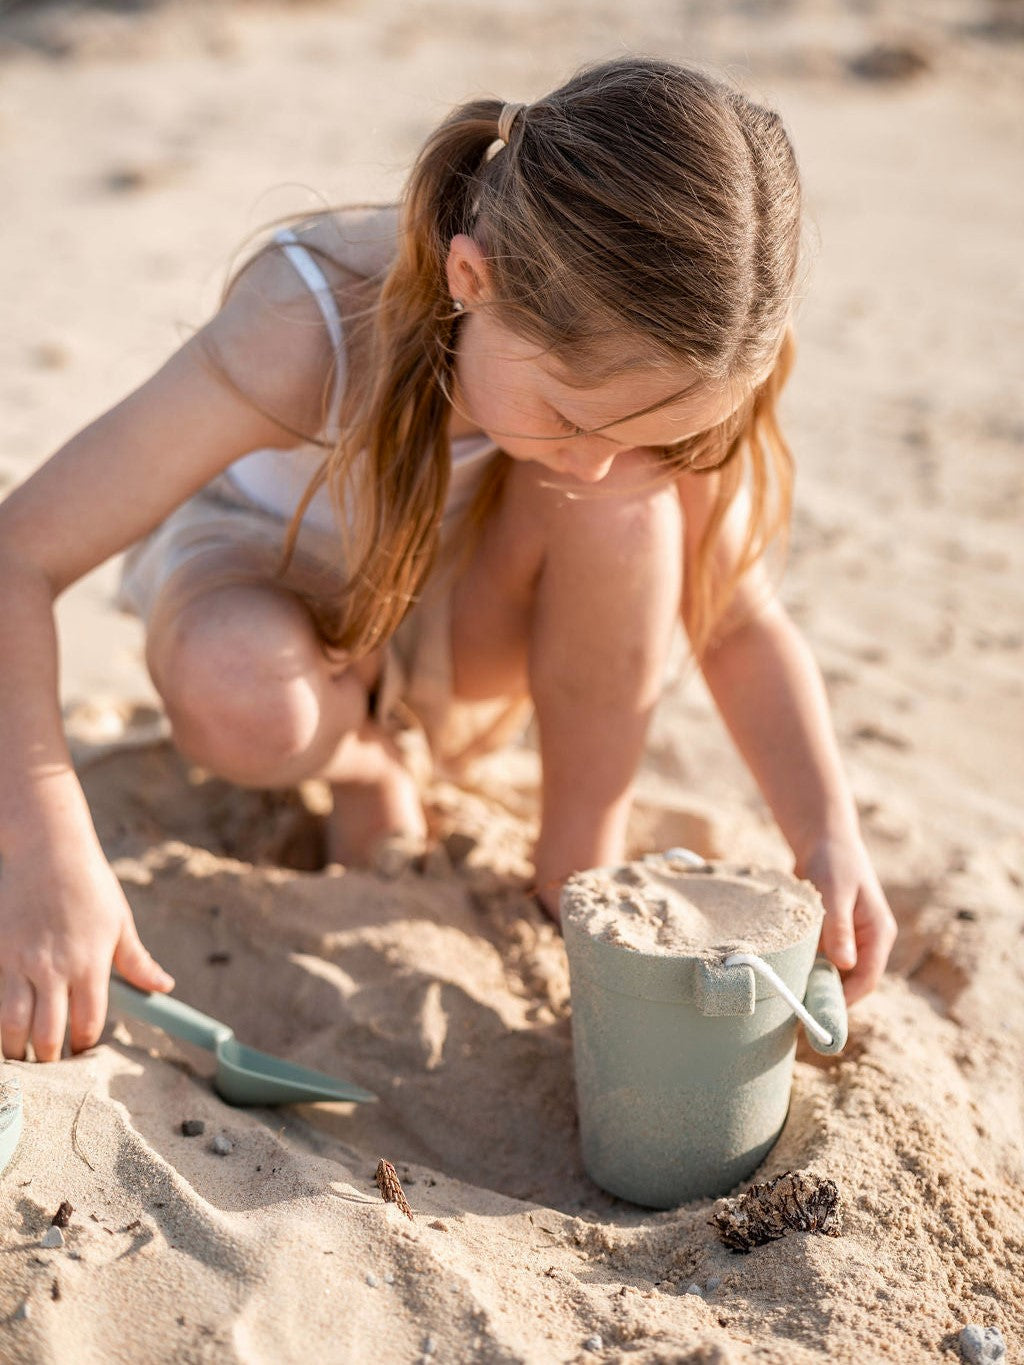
(389, 1278)
(192, 1127)
(371, 1279)
(713, 1283)
(429, 1346)
(695, 1289)
(982, 1345)
(438, 1225)
(459, 846)
(593, 1343)
(52, 1237)
(23, 1311)
(221, 1145)
(50, 355)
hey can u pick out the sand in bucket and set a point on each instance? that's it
(669, 907)
(684, 1065)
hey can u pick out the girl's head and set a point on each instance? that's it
(641, 226)
(626, 264)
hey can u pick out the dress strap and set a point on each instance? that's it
(316, 281)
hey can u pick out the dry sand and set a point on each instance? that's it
(137, 146)
(664, 908)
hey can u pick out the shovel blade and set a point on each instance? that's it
(247, 1076)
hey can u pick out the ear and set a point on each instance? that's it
(466, 271)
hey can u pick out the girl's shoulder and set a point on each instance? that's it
(349, 244)
(270, 335)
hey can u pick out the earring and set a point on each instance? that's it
(458, 306)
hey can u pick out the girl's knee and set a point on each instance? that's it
(241, 676)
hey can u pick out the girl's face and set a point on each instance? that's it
(519, 397)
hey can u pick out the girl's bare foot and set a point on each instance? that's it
(379, 802)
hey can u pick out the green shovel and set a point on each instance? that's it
(244, 1076)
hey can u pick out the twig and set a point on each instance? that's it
(74, 1134)
(391, 1187)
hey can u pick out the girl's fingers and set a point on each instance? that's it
(136, 965)
(875, 941)
(88, 1012)
(50, 1021)
(837, 938)
(16, 1016)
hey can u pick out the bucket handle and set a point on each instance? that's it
(824, 995)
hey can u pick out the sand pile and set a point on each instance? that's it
(446, 993)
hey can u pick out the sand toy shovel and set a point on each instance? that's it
(244, 1076)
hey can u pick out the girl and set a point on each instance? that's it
(443, 465)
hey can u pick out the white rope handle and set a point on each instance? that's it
(773, 978)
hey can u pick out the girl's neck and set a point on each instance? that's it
(460, 423)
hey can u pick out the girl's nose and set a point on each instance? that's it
(589, 467)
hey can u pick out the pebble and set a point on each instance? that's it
(371, 1279)
(695, 1289)
(389, 1278)
(221, 1145)
(23, 1310)
(982, 1345)
(193, 1127)
(713, 1283)
(429, 1346)
(593, 1343)
(52, 1237)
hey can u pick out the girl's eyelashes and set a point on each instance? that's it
(570, 428)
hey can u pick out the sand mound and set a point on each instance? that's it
(445, 992)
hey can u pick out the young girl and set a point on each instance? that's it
(441, 464)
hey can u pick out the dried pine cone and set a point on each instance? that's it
(391, 1187)
(790, 1203)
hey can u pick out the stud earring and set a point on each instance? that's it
(458, 306)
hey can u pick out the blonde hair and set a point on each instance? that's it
(643, 210)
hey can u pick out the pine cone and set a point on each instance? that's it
(790, 1203)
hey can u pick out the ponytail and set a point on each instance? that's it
(392, 461)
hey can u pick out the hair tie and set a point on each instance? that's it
(506, 119)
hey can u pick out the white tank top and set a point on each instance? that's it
(276, 479)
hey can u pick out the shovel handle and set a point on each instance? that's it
(168, 1014)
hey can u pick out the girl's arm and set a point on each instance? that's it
(771, 696)
(63, 917)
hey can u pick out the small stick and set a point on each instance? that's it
(74, 1133)
(391, 1187)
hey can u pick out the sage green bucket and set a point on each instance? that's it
(684, 1061)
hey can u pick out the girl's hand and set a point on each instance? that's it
(63, 919)
(859, 928)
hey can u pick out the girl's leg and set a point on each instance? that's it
(574, 600)
(251, 696)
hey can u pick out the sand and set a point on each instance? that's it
(666, 909)
(138, 145)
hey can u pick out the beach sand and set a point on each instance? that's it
(138, 146)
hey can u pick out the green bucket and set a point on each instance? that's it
(684, 1060)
